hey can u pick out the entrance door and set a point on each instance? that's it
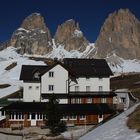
(33, 122)
(33, 119)
(100, 118)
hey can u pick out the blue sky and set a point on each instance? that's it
(90, 14)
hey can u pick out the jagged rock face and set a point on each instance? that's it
(33, 37)
(120, 34)
(4, 45)
(69, 35)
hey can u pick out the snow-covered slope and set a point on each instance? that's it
(7, 57)
(118, 64)
(9, 90)
(115, 129)
(59, 52)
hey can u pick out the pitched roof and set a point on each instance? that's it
(76, 67)
(88, 67)
(65, 109)
(28, 72)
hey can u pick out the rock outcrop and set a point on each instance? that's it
(70, 36)
(33, 37)
(120, 34)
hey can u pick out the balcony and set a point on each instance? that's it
(80, 94)
(92, 94)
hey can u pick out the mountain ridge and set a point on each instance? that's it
(119, 39)
(119, 34)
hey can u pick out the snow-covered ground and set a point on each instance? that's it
(10, 137)
(114, 129)
(120, 65)
(7, 57)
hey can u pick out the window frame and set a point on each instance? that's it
(89, 100)
(37, 87)
(50, 87)
(51, 74)
(88, 89)
(103, 100)
(30, 87)
(77, 88)
(72, 117)
(82, 118)
(64, 118)
(100, 88)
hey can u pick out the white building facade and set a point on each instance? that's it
(90, 84)
(57, 79)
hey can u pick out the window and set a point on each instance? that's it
(79, 101)
(72, 100)
(41, 116)
(75, 100)
(89, 100)
(38, 116)
(87, 88)
(103, 100)
(100, 116)
(36, 75)
(12, 116)
(76, 88)
(3, 113)
(22, 115)
(19, 115)
(28, 116)
(30, 87)
(37, 87)
(64, 118)
(100, 88)
(51, 87)
(73, 117)
(51, 74)
(33, 116)
(82, 117)
(45, 117)
(123, 100)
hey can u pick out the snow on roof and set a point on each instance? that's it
(114, 129)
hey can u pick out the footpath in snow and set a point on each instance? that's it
(115, 129)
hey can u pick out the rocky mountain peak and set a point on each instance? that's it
(33, 21)
(70, 35)
(120, 34)
(33, 36)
